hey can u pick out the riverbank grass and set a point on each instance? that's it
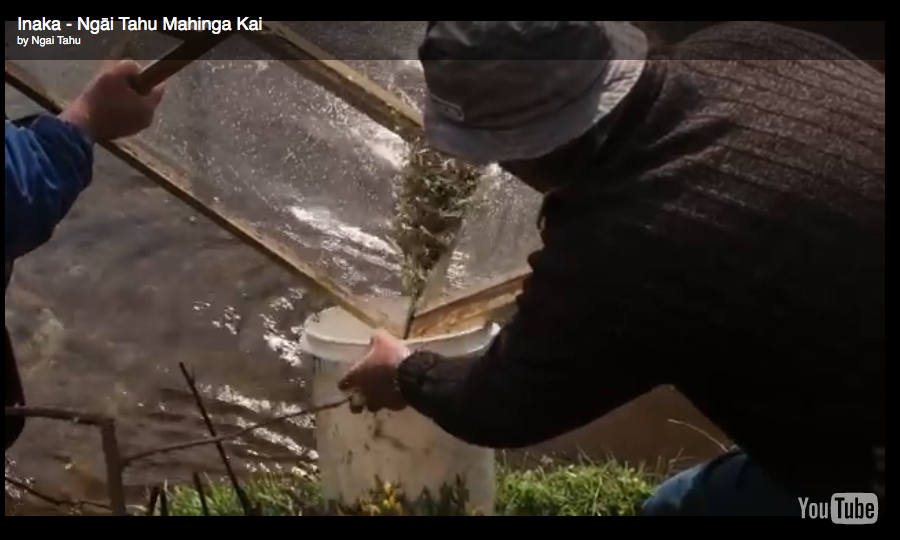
(587, 489)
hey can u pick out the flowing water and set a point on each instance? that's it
(134, 282)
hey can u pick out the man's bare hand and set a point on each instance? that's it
(110, 108)
(373, 381)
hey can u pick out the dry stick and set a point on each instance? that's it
(52, 500)
(198, 485)
(154, 499)
(85, 419)
(224, 438)
(232, 477)
(164, 501)
(37, 494)
(115, 470)
(114, 465)
(123, 462)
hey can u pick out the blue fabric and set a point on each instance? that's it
(731, 485)
(48, 165)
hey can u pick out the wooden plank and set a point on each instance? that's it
(337, 77)
(183, 34)
(131, 153)
(176, 60)
(469, 307)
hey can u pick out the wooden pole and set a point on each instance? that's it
(176, 60)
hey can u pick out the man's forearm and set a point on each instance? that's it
(47, 166)
(559, 364)
(492, 400)
(442, 389)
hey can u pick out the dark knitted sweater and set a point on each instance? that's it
(730, 241)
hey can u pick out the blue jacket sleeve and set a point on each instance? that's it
(47, 166)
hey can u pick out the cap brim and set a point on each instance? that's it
(541, 137)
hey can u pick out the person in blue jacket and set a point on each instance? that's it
(49, 163)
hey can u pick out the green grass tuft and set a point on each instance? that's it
(552, 489)
(281, 495)
(587, 489)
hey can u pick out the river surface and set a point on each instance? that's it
(134, 282)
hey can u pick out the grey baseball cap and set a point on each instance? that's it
(513, 90)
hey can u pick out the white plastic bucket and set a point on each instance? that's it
(403, 448)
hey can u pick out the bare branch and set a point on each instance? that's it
(203, 442)
(232, 477)
(198, 485)
(115, 469)
(164, 502)
(154, 500)
(111, 454)
(85, 419)
(18, 484)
